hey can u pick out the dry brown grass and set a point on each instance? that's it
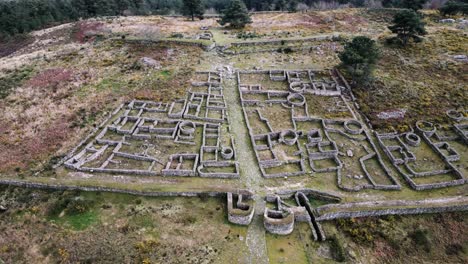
(52, 111)
(348, 20)
(423, 78)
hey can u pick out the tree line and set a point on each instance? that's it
(22, 16)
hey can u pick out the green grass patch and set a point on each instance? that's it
(165, 73)
(14, 78)
(77, 221)
(144, 220)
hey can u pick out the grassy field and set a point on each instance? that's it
(46, 227)
(102, 227)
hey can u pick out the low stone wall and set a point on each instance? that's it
(174, 41)
(245, 193)
(400, 211)
(313, 193)
(400, 207)
(283, 41)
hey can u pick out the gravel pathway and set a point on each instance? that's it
(250, 172)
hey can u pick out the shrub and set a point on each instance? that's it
(247, 35)
(421, 238)
(454, 249)
(453, 7)
(337, 249)
(57, 206)
(78, 206)
(286, 50)
(13, 79)
(203, 196)
(177, 35)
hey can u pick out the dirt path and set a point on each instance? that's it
(250, 172)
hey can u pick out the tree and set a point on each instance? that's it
(413, 4)
(408, 4)
(121, 6)
(407, 25)
(359, 57)
(453, 7)
(193, 8)
(292, 5)
(281, 5)
(236, 15)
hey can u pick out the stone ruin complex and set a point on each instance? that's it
(301, 142)
(187, 137)
(301, 123)
(406, 150)
(290, 139)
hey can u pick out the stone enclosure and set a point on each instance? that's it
(300, 123)
(188, 137)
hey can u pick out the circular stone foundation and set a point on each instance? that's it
(412, 139)
(296, 87)
(296, 99)
(227, 153)
(289, 137)
(427, 128)
(455, 115)
(187, 127)
(353, 127)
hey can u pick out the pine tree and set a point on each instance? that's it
(105, 8)
(452, 8)
(122, 5)
(193, 8)
(407, 25)
(236, 15)
(413, 4)
(292, 5)
(281, 5)
(359, 57)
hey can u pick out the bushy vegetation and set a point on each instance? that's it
(337, 249)
(248, 35)
(193, 8)
(408, 25)
(13, 79)
(454, 7)
(421, 238)
(359, 57)
(408, 4)
(70, 204)
(236, 15)
(22, 16)
(362, 232)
